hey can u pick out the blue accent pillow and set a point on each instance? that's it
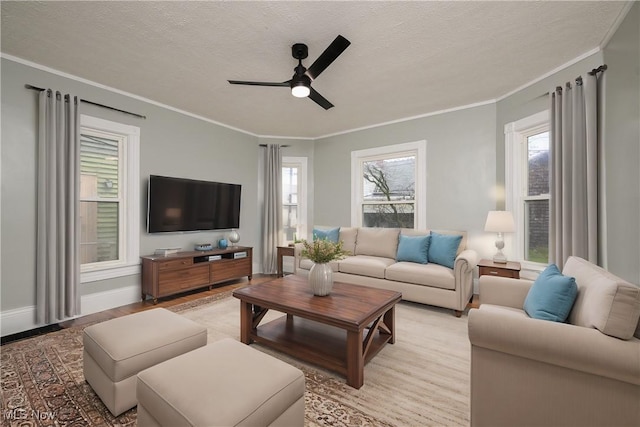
(413, 249)
(551, 296)
(443, 248)
(332, 235)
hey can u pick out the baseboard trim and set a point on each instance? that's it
(101, 301)
(24, 318)
(18, 320)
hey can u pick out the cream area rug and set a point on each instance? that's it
(420, 380)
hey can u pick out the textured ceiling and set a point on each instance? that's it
(406, 58)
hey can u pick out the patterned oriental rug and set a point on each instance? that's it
(421, 380)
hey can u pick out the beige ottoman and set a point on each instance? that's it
(116, 350)
(223, 384)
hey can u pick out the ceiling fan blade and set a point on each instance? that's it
(240, 82)
(328, 56)
(319, 99)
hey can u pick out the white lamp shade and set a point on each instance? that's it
(500, 222)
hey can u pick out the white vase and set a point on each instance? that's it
(321, 279)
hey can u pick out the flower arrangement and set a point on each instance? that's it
(322, 251)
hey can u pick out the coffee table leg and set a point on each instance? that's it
(355, 359)
(390, 321)
(246, 321)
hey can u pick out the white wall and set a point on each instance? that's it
(622, 148)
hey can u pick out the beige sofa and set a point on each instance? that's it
(529, 372)
(373, 263)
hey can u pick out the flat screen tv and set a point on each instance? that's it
(178, 204)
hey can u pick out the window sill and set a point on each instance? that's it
(531, 270)
(109, 273)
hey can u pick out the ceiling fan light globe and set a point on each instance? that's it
(300, 91)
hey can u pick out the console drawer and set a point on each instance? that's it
(182, 279)
(226, 269)
(174, 263)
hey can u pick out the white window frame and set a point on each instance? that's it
(301, 163)
(516, 134)
(359, 157)
(129, 208)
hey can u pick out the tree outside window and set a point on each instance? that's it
(389, 192)
(389, 186)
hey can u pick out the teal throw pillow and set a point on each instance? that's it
(551, 296)
(413, 249)
(443, 248)
(332, 234)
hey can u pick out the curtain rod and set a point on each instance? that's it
(28, 86)
(578, 79)
(283, 146)
(603, 67)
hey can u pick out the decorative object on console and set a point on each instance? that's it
(321, 252)
(234, 237)
(222, 244)
(166, 251)
(500, 222)
(203, 247)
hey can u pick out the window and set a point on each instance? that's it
(294, 212)
(527, 183)
(109, 199)
(388, 186)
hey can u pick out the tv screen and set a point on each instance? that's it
(178, 204)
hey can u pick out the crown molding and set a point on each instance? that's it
(619, 20)
(120, 92)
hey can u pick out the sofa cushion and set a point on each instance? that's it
(605, 302)
(551, 296)
(413, 249)
(414, 232)
(348, 238)
(379, 242)
(463, 242)
(331, 234)
(365, 265)
(443, 248)
(432, 275)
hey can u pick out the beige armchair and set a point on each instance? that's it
(529, 372)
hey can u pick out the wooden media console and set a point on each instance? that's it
(184, 271)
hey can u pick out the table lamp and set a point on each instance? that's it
(500, 222)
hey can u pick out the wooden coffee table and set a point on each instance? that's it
(340, 332)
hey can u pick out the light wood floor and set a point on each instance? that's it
(167, 301)
(182, 298)
(163, 302)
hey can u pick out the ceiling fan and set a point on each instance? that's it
(300, 83)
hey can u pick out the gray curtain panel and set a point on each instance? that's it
(575, 169)
(272, 215)
(58, 242)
